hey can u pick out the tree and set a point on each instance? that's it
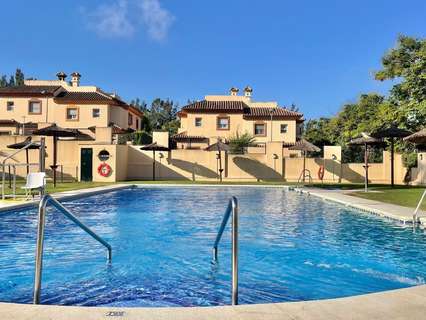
(19, 77)
(11, 81)
(161, 114)
(3, 81)
(14, 80)
(407, 63)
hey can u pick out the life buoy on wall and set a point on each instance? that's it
(321, 172)
(104, 169)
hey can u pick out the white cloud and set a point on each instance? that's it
(157, 19)
(111, 20)
(121, 18)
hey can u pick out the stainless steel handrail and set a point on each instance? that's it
(3, 194)
(232, 209)
(40, 238)
(415, 214)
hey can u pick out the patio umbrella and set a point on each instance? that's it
(23, 144)
(304, 146)
(418, 137)
(154, 147)
(366, 140)
(55, 132)
(219, 146)
(392, 132)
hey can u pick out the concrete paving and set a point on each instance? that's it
(407, 304)
(391, 211)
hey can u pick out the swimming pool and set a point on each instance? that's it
(292, 247)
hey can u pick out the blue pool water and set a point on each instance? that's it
(292, 247)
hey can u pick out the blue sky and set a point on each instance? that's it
(316, 54)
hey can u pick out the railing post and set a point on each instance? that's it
(14, 182)
(39, 251)
(42, 161)
(234, 251)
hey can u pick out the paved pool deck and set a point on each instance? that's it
(387, 210)
(409, 304)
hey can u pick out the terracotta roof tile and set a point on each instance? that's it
(184, 136)
(240, 107)
(206, 106)
(265, 112)
(22, 91)
(87, 97)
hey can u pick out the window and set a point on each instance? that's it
(96, 113)
(260, 129)
(137, 124)
(222, 123)
(130, 119)
(34, 107)
(72, 114)
(283, 128)
(198, 122)
(10, 106)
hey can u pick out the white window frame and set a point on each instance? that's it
(10, 106)
(96, 114)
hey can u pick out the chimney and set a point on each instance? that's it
(248, 91)
(234, 91)
(75, 79)
(61, 76)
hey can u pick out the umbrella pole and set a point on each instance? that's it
(220, 166)
(392, 162)
(26, 155)
(304, 165)
(55, 143)
(366, 168)
(153, 165)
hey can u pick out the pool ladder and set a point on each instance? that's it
(232, 210)
(40, 239)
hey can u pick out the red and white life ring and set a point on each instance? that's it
(321, 172)
(104, 169)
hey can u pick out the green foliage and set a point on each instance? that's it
(410, 160)
(16, 80)
(159, 115)
(405, 106)
(141, 138)
(238, 142)
(407, 63)
(19, 77)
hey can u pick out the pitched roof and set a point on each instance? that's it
(248, 112)
(135, 110)
(87, 97)
(214, 106)
(25, 91)
(183, 136)
(266, 112)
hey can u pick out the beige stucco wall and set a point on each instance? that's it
(52, 112)
(237, 125)
(161, 138)
(129, 162)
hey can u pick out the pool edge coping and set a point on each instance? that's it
(406, 303)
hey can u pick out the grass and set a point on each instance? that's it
(405, 196)
(65, 186)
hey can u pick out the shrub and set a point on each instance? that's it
(410, 160)
(141, 138)
(238, 142)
